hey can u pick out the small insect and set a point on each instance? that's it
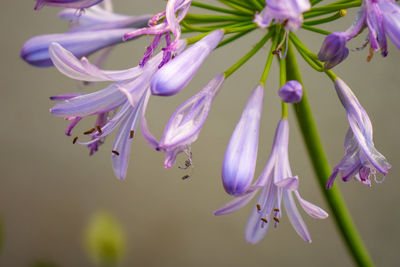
(131, 134)
(99, 129)
(75, 139)
(185, 177)
(276, 219)
(115, 152)
(264, 220)
(258, 207)
(90, 131)
(276, 209)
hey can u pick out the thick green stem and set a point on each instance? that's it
(321, 167)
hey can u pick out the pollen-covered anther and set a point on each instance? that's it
(98, 127)
(276, 219)
(371, 54)
(276, 209)
(115, 152)
(89, 131)
(185, 177)
(258, 207)
(132, 134)
(75, 139)
(264, 220)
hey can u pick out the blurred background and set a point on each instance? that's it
(49, 188)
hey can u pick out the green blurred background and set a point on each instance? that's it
(50, 188)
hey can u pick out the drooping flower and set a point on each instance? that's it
(275, 182)
(66, 3)
(291, 92)
(125, 97)
(361, 159)
(241, 154)
(184, 126)
(177, 73)
(288, 12)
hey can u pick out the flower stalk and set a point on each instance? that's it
(322, 170)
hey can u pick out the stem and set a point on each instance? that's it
(264, 76)
(222, 10)
(282, 81)
(238, 5)
(321, 167)
(313, 29)
(233, 38)
(195, 18)
(246, 57)
(340, 14)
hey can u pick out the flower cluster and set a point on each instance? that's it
(171, 61)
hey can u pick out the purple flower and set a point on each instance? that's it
(291, 92)
(36, 50)
(177, 73)
(184, 126)
(334, 49)
(97, 18)
(126, 98)
(276, 182)
(289, 12)
(241, 154)
(391, 20)
(361, 159)
(66, 3)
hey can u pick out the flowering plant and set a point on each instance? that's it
(170, 62)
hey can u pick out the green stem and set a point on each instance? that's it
(340, 14)
(246, 57)
(313, 29)
(256, 4)
(321, 167)
(222, 10)
(282, 81)
(238, 5)
(267, 67)
(195, 18)
(233, 38)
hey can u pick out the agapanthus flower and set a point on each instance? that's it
(184, 126)
(240, 157)
(291, 92)
(361, 159)
(177, 73)
(288, 12)
(66, 3)
(126, 97)
(275, 182)
(381, 17)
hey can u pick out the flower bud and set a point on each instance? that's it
(333, 44)
(177, 73)
(291, 92)
(241, 154)
(339, 57)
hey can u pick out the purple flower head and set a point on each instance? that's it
(97, 18)
(174, 13)
(66, 3)
(291, 92)
(275, 182)
(361, 159)
(334, 49)
(241, 154)
(177, 73)
(185, 123)
(289, 12)
(125, 97)
(36, 50)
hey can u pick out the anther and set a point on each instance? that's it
(90, 131)
(99, 129)
(276, 219)
(185, 177)
(75, 139)
(258, 207)
(115, 152)
(131, 134)
(264, 220)
(371, 54)
(276, 209)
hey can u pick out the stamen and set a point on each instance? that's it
(258, 207)
(264, 220)
(276, 209)
(75, 139)
(276, 219)
(371, 54)
(131, 134)
(115, 152)
(99, 129)
(90, 131)
(185, 177)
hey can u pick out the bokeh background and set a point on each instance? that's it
(49, 188)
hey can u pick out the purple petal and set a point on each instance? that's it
(241, 154)
(236, 204)
(290, 184)
(177, 73)
(311, 209)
